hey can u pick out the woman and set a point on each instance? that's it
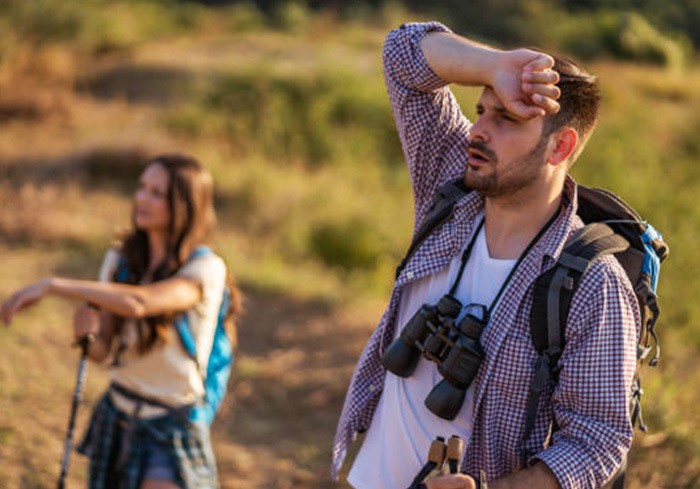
(141, 436)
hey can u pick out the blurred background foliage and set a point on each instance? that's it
(284, 101)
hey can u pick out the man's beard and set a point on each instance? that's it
(519, 176)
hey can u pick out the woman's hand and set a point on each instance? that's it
(97, 327)
(23, 298)
(86, 321)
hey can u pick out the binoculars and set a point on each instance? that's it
(456, 350)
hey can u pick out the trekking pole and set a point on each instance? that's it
(436, 457)
(84, 343)
(454, 453)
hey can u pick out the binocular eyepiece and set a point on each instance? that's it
(403, 353)
(456, 350)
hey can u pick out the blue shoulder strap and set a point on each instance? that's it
(122, 273)
(181, 324)
(652, 262)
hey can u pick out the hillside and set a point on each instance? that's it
(313, 207)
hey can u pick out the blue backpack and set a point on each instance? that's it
(221, 356)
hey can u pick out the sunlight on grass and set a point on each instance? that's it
(315, 209)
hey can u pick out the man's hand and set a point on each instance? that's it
(452, 481)
(525, 82)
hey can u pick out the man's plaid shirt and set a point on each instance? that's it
(590, 401)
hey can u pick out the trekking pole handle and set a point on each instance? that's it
(84, 343)
(454, 453)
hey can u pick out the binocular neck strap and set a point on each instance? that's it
(468, 251)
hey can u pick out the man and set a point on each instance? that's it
(516, 157)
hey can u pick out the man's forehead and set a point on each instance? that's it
(489, 98)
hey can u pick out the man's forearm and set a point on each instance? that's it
(457, 59)
(522, 79)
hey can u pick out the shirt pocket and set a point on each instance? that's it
(514, 367)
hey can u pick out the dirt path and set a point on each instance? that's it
(294, 365)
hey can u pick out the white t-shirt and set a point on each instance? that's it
(396, 444)
(166, 372)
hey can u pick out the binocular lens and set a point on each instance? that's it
(445, 400)
(400, 358)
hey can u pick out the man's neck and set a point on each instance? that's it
(512, 223)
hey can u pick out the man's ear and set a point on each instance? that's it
(562, 145)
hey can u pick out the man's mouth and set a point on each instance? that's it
(478, 154)
(477, 157)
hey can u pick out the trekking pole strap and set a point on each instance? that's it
(418, 480)
(481, 482)
(436, 457)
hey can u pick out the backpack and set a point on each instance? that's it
(611, 226)
(221, 357)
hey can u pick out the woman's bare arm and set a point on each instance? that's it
(132, 301)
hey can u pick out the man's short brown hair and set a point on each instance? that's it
(579, 101)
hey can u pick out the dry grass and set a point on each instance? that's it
(72, 131)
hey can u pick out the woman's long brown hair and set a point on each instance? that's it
(192, 220)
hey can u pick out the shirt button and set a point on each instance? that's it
(372, 387)
(409, 275)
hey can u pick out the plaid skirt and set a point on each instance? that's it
(115, 442)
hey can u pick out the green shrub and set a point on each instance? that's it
(42, 21)
(621, 35)
(639, 40)
(244, 17)
(319, 119)
(291, 16)
(350, 244)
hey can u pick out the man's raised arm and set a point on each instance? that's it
(522, 78)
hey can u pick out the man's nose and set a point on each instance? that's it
(478, 131)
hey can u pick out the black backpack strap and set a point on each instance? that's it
(553, 293)
(440, 210)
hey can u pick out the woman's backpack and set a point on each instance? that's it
(221, 357)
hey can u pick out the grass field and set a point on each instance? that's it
(314, 211)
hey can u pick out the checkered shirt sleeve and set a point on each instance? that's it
(431, 126)
(433, 134)
(597, 368)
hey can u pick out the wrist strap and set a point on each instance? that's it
(481, 481)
